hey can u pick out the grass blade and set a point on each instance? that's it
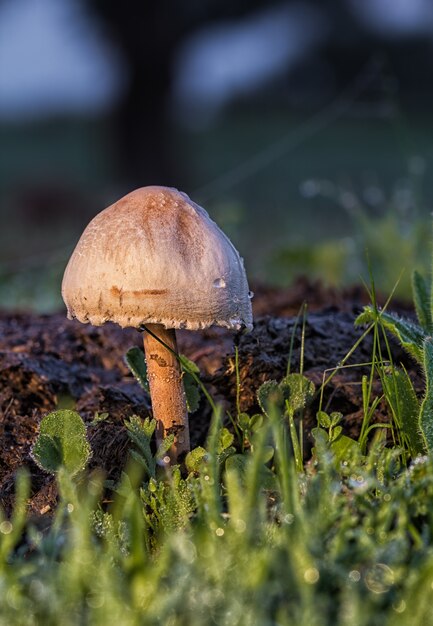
(426, 412)
(136, 362)
(405, 407)
(410, 335)
(422, 299)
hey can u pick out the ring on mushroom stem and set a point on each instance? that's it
(155, 259)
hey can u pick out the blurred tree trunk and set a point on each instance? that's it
(148, 33)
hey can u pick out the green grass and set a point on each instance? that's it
(342, 543)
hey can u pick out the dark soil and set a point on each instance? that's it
(48, 362)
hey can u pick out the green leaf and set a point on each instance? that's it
(344, 448)
(298, 390)
(98, 418)
(336, 432)
(410, 335)
(62, 443)
(421, 291)
(323, 419)
(225, 440)
(336, 418)
(405, 407)
(294, 388)
(237, 462)
(426, 411)
(194, 459)
(268, 453)
(256, 422)
(192, 389)
(164, 447)
(244, 421)
(140, 460)
(140, 432)
(47, 453)
(136, 362)
(152, 485)
(192, 392)
(188, 365)
(240, 464)
(320, 435)
(268, 394)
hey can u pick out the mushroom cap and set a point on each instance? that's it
(156, 257)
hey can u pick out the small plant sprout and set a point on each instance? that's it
(155, 261)
(62, 443)
(414, 417)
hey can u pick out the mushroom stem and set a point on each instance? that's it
(166, 388)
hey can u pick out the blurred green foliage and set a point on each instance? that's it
(33, 288)
(393, 240)
(313, 208)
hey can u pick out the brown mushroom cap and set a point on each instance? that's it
(155, 257)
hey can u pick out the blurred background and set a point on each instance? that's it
(303, 127)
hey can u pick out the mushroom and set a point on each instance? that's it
(154, 260)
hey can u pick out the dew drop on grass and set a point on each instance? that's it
(219, 283)
(379, 578)
(311, 575)
(399, 607)
(95, 600)
(6, 528)
(358, 483)
(355, 576)
(240, 526)
(38, 590)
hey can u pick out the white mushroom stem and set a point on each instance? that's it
(166, 388)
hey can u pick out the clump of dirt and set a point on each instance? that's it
(48, 362)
